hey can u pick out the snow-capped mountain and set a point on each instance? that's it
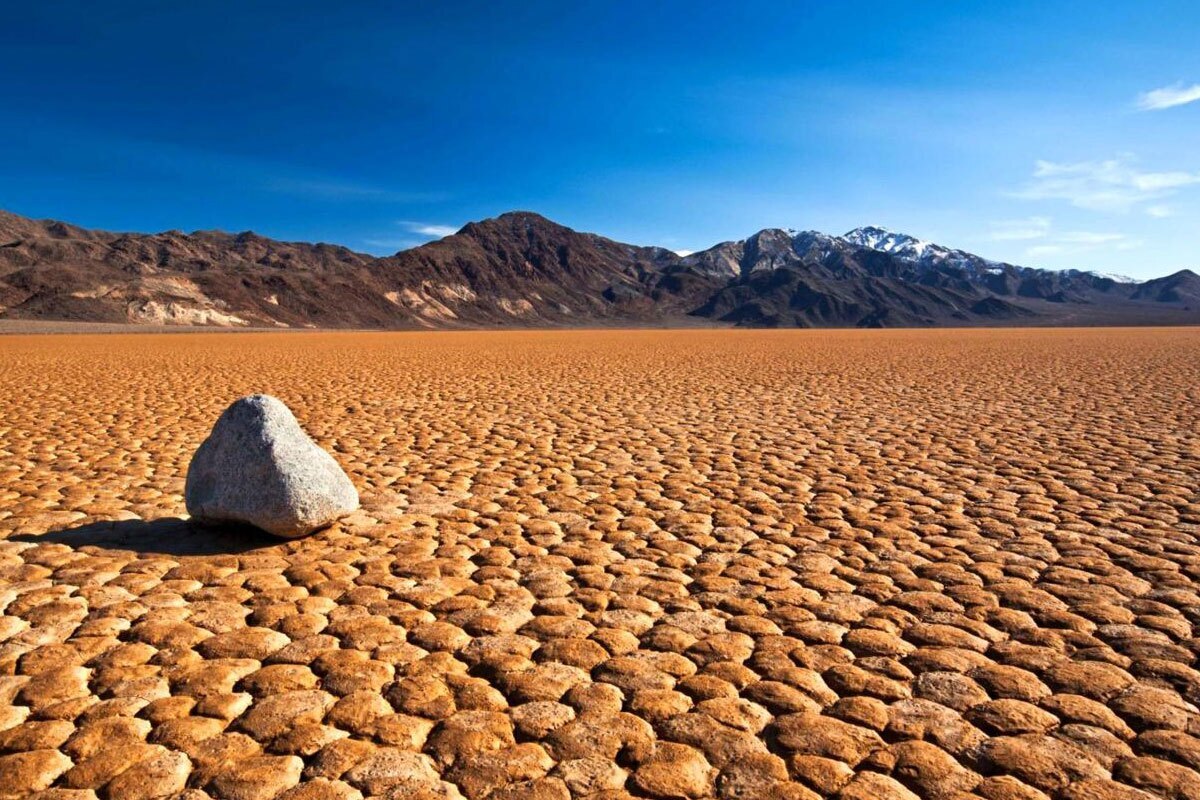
(1112, 276)
(522, 269)
(900, 244)
(921, 252)
(781, 276)
(880, 252)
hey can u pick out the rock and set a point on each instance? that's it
(1076, 708)
(359, 712)
(928, 720)
(675, 770)
(930, 771)
(1094, 680)
(539, 718)
(113, 759)
(721, 744)
(584, 776)
(275, 715)
(1103, 790)
(31, 771)
(817, 735)
(254, 643)
(259, 467)
(751, 777)
(1102, 746)
(741, 714)
(1160, 778)
(603, 736)
(1006, 787)
(480, 774)
(335, 758)
(873, 786)
(949, 689)
(388, 767)
(1009, 717)
(469, 733)
(1149, 708)
(404, 731)
(1172, 746)
(1040, 761)
(826, 775)
(1008, 682)
(163, 775)
(540, 789)
(35, 735)
(257, 777)
(866, 712)
(321, 789)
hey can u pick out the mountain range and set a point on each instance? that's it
(522, 270)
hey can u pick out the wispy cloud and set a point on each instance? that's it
(416, 233)
(1160, 212)
(390, 245)
(1080, 242)
(1168, 97)
(1089, 238)
(1044, 240)
(427, 229)
(347, 191)
(1016, 230)
(1111, 185)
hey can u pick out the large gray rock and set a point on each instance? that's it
(258, 467)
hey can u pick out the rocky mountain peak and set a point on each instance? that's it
(522, 269)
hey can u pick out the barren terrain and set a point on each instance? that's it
(769, 564)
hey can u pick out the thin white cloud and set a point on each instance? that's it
(390, 244)
(345, 191)
(1075, 243)
(683, 253)
(1016, 230)
(1168, 97)
(1087, 237)
(1160, 212)
(428, 229)
(1045, 241)
(387, 246)
(419, 233)
(1111, 185)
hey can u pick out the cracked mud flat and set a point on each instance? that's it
(606, 564)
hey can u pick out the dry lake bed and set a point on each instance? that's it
(774, 564)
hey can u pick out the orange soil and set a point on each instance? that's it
(793, 564)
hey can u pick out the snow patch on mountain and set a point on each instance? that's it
(900, 244)
(1112, 276)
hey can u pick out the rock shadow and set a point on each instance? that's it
(169, 536)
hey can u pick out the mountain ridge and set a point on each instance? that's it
(520, 269)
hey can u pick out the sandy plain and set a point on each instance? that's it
(773, 564)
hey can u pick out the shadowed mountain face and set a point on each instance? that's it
(522, 270)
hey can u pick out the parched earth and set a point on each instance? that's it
(689, 564)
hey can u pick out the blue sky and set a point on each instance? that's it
(1055, 134)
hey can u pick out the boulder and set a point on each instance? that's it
(258, 467)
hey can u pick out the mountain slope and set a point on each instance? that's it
(873, 277)
(521, 269)
(1181, 287)
(51, 270)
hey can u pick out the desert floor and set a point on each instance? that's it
(784, 564)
